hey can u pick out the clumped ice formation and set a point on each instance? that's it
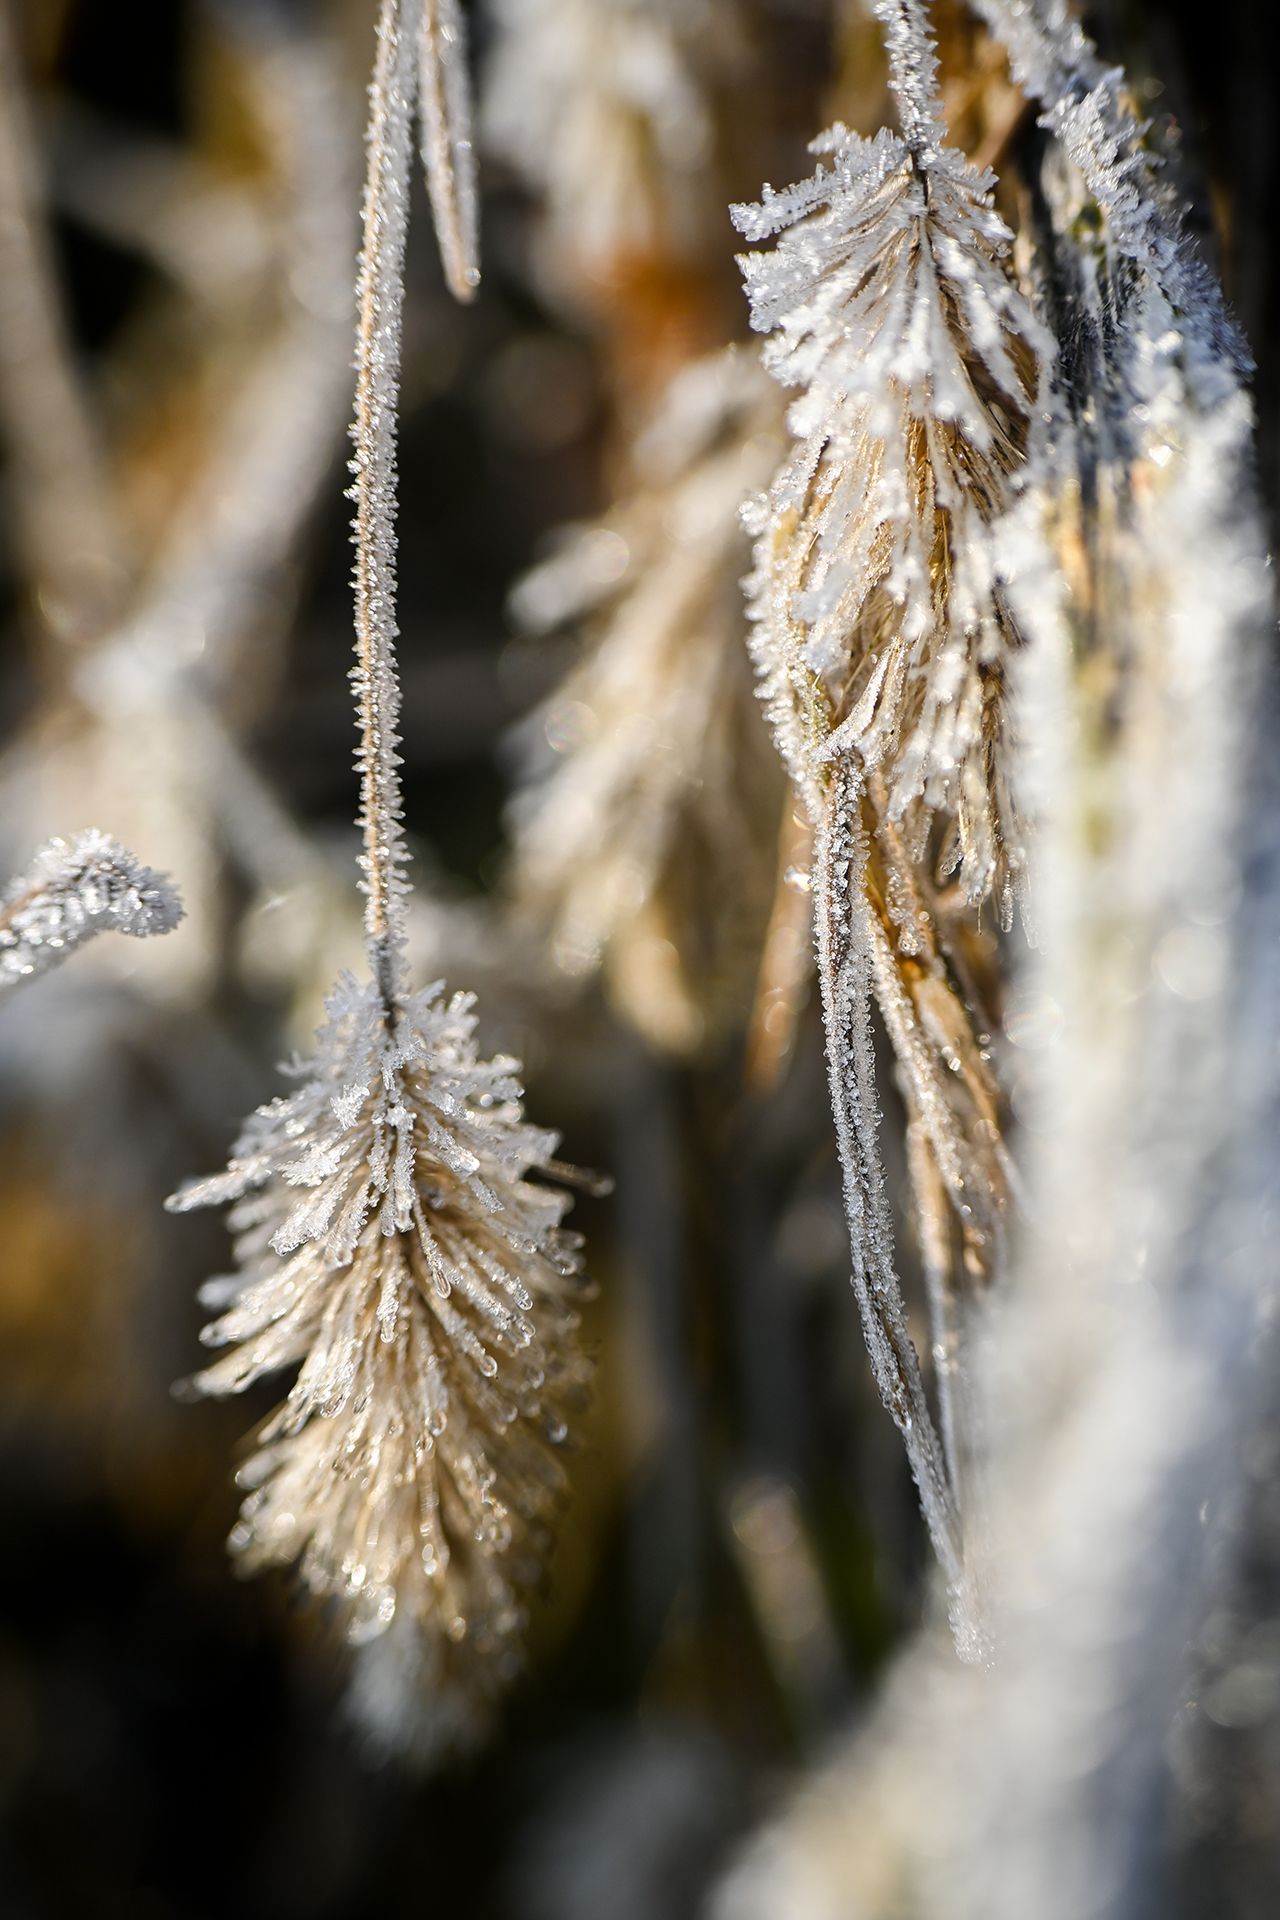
(73, 890)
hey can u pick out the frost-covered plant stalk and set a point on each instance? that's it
(393, 1242)
(882, 639)
(75, 889)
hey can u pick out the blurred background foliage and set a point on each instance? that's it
(178, 208)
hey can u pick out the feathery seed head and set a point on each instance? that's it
(394, 1248)
(880, 624)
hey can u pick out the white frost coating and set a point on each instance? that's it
(380, 304)
(880, 626)
(73, 890)
(392, 1248)
(1125, 1368)
(913, 73)
(1085, 105)
(390, 1245)
(1151, 1160)
(846, 940)
(447, 151)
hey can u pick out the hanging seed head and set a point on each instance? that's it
(395, 1249)
(881, 626)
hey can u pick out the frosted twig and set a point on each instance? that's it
(447, 152)
(380, 303)
(73, 890)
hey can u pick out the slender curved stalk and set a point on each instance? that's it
(845, 972)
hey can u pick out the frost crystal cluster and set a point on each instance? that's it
(881, 628)
(1128, 1385)
(73, 890)
(392, 1245)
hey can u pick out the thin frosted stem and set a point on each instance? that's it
(913, 72)
(844, 971)
(447, 152)
(946, 1309)
(380, 302)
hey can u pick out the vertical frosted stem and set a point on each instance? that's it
(913, 71)
(380, 301)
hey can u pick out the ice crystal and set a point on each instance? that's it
(73, 890)
(1086, 105)
(637, 838)
(391, 1244)
(422, 65)
(394, 1245)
